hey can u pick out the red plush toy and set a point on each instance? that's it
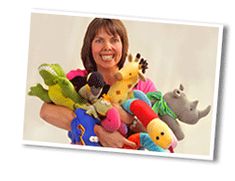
(158, 131)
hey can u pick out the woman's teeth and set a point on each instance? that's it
(107, 57)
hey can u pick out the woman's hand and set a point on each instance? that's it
(137, 126)
(114, 139)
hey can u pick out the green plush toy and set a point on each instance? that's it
(60, 90)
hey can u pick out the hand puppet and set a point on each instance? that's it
(174, 106)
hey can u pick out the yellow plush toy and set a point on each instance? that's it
(127, 78)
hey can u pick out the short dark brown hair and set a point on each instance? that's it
(112, 26)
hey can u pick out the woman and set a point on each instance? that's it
(105, 48)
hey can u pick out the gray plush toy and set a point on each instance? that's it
(174, 106)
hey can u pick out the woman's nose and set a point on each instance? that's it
(107, 46)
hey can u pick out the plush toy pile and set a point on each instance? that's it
(84, 95)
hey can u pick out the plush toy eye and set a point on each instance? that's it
(93, 139)
(162, 133)
(157, 138)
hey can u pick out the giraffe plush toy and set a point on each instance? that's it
(127, 78)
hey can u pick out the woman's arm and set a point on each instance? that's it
(124, 115)
(58, 116)
(61, 117)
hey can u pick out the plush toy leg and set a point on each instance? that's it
(112, 121)
(40, 92)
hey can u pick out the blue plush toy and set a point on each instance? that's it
(82, 129)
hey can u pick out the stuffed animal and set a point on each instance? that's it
(142, 140)
(60, 90)
(159, 132)
(174, 106)
(82, 129)
(89, 87)
(127, 78)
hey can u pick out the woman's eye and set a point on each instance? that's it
(98, 41)
(115, 40)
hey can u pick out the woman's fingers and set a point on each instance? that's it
(129, 143)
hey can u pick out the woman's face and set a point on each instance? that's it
(106, 50)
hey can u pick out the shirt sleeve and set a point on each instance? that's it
(146, 86)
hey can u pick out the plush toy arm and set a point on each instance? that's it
(68, 90)
(75, 133)
(40, 92)
(174, 126)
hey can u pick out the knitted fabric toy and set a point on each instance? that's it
(158, 131)
(143, 140)
(127, 78)
(60, 90)
(174, 106)
(90, 88)
(160, 106)
(82, 129)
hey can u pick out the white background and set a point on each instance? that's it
(39, 163)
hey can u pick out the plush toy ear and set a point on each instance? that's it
(118, 76)
(181, 87)
(194, 104)
(137, 57)
(130, 58)
(177, 93)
